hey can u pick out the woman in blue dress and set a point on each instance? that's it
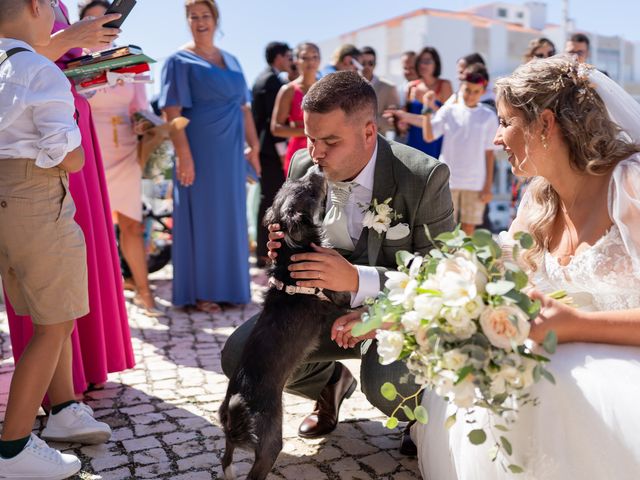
(428, 67)
(210, 239)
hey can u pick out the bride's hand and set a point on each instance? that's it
(556, 316)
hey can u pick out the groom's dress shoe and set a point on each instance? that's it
(324, 417)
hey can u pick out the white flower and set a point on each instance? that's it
(427, 306)
(411, 321)
(396, 280)
(454, 359)
(465, 331)
(497, 325)
(474, 308)
(389, 345)
(457, 279)
(482, 277)
(381, 223)
(457, 317)
(464, 393)
(383, 210)
(369, 219)
(401, 288)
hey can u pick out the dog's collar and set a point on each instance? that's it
(292, 290)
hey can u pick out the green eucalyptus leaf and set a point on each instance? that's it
(450, 421)
(502, 428)
(525, 240)
(392, 423)
(388, 391)
(421, 414)
(516, 468)
(547, 374)
(482, 237)
(477, 436)
(462, 373)
(408, 412)
(506, 445)
(362, 328)
(550, 342)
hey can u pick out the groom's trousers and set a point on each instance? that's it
(314, 373)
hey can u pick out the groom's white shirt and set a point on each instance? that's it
(361, 194)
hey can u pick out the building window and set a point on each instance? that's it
(520, 15)
(502, 12)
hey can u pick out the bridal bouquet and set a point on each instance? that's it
(460, 321)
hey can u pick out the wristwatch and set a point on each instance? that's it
(427, 110)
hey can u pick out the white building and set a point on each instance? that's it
(499, 31)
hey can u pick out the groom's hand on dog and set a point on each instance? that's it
(341, 330)
(324, 268)
(274, 236)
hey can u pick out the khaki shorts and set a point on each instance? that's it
(43, 260)
(467, 207)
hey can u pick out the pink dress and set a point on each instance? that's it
(295, 116)
(112, 109)
(101, 340)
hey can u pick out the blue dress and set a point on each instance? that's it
(210, 251)
(415, 138)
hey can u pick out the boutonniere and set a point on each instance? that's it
(378, 216)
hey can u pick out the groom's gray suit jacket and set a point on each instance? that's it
(419, 188)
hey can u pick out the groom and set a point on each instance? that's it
(361, 166)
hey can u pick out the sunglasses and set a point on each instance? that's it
(545, 55)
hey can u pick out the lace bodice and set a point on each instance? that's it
(598, 278)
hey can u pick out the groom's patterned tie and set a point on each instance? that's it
(335, 223)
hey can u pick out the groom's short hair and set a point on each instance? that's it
(347, 91)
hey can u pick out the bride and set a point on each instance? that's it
(561, 123)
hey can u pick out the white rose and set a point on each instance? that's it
(482, 276)
(427, 306)
(454, 359)
(411, 321)
(456, 317)
(389, 345)
(383, 209)
(497, 326)
(444, 384)
(466, 331)
(457, 279)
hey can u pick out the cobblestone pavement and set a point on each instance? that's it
(163, 412)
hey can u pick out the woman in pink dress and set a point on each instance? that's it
(287, 120)
(112, 108)
(101, 341)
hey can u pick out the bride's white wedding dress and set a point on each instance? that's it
(587, 426)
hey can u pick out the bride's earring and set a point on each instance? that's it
(543, 138)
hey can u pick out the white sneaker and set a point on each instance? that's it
(38, 461)
(76, 424)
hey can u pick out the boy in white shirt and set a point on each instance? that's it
(42, 250)
(468, 128)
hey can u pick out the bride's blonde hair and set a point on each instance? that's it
(595, 142)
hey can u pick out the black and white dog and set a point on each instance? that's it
(287, 330)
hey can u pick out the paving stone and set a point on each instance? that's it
(164, 411)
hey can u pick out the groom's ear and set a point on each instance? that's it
(371, 132)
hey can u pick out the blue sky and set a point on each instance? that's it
(159, 26)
